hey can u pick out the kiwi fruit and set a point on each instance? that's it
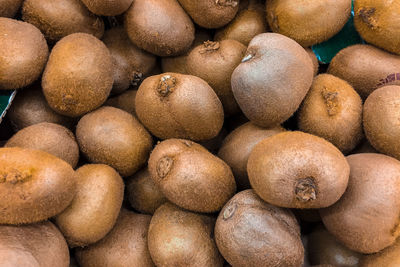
(79, 75)
(389, 257)
(149, 23)
(332, 110)
(107, 7)
(366, 218)
(173, 105)
(96, 205)
(214, 62)
(131, 63)
(48, 137)
(211, 14)
(114, 137)
(124, 101)
(314, 60)
(143, 194)
(377, 21)
(23, 54)
(8, 8)
(182, 238)
(272, 80)
(308, 23)
(59, 18)
(124, 245)
(366, 68)
(34, 185)
(237, 146)
(298, 170)
(250, 232)
(248, 23)
(35, 245)
(381, 120)
(323, 248)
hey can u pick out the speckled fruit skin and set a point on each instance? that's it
(8, 8)
(389, 257)
(108, 7)
(314, 60)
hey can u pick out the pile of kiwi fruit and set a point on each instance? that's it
(207, 133)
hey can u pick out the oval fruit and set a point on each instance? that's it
(108, 7)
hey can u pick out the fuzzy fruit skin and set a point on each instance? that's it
(23, 54)
(381, 124)
(34, 185)
(366, 68)
(8, 8)
(173, 105)
(124, 245)
(250, 232)
(59, 18)
(182, 238)
(308, 23)
(48, 137)
(107, 7)
(237, 146)
(377, 21)
(314, 60)
(149, 23)
(34, 245)
(332, 110)
(298, 170)
(272, 80)
(114, 137)
(366, 218)
(389, 257)
(124, 101)
(190, 176)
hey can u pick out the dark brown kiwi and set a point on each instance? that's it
(35, 245)
(131, 64)
(314, 60)
(23, 55)
(272, 79)
(173, 105)
(124, 245)
(48, 137)
(332, 110)
(308, 23)
(214, 62)
(78, 77)
(124, 101)
(59, 18)
(149, 23)
(237, 146)
(8, 8)
(143, 194)
(366, 218)
(182, 238)
(114, 137)
(107, 7)
(190, 176)
(211, 14)
(381, 120)
(250, 232)
(389, 257)
(298, 170)
(366, 68)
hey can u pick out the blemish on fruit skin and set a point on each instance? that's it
(226, 3)
(366, 15)
(166, 85)
(247, 58)
(331, 100)
(306, 189)
(164, 166)
(14, 176)
(209, 46)
(229, 211)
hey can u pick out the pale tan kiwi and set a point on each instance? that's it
(8, 8)
(108, 7)
(389, 257)
(124, 101)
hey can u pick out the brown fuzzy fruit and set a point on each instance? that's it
(250, 232)
(78, 77)
(59, 18)
(34, 185)
(314, 60)
(214, 62)
(272, 79)
(131, 64)
(8, 8)
(308, 23)
(173, 105)
(211, 14)
(35, 245)
(366, 68)
(237, 146)
(389, 257)
(298, 170)
(182, 238)
(190, 176)
(107, 7)
(366, 218)
(48, 137)
(96, 205)
(160, 27)
(124, 101)
(143, 194)
(377, 21)
(114, 137)
(332, 110)
(23, 54)
(381, 120)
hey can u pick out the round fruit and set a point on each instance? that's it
(314, 60)
(108, 7)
